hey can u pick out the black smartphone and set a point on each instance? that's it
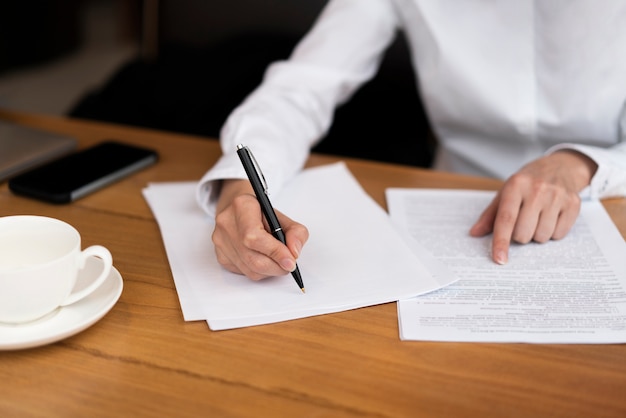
(76, 175)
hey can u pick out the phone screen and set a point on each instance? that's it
(78, 174)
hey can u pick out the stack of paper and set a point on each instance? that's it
(354, 256)
(567, 291)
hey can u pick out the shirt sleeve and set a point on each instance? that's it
(294, 105)
(610, 177)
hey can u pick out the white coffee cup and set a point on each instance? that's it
(40, 259)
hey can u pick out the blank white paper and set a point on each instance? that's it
(354, 257)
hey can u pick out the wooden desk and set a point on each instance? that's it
(142, 359)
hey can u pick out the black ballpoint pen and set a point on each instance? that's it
(257, 180)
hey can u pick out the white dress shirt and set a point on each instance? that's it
(502, 81)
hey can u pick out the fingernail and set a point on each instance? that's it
(288, 264)
(500, 257)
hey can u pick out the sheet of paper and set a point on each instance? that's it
(567, 291)
(354, 256)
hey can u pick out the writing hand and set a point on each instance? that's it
(242, 242)
(538, 203)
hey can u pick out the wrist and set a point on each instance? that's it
(229, 189)
(581, 167)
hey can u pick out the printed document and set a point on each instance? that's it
(354, 257)
(567, 291)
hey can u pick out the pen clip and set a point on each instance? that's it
(257, 168)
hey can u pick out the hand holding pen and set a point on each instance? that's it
(242, 242)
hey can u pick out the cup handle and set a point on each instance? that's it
(93, 251)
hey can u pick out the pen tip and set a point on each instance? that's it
(303, 291)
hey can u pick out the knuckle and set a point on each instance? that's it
(301, 230)
(216, 237)
(518, 179)
(240, 201)
(220, 217)
(223, 260)
(251, 240)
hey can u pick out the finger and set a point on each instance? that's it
(232, 260)
(296, 234)
(226, 263)
(503, 226)
(243, 244)
(566, 219)
(244, 259)
(278, 258)
(229, 256)
(484, 224)
(264, 255)
(526, 222)
(557, 212)
(546, 224)
(268, 256)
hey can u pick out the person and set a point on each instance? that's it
(532, 92)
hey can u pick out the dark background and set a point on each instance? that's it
(198, 59)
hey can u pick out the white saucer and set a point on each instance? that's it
(68, 320)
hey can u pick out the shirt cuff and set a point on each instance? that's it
(609, 179)
(208, 189)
